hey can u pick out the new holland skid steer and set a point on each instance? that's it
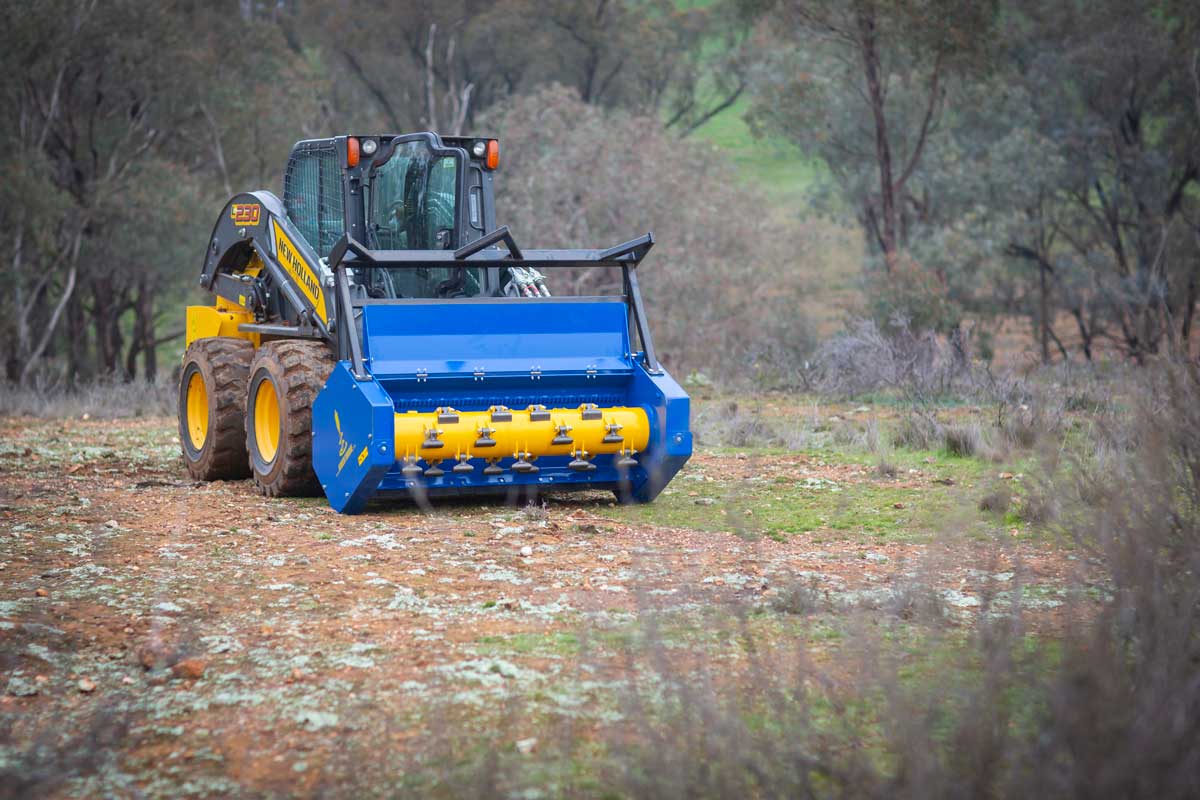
(371, 337)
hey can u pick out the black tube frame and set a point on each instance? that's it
(348, 253)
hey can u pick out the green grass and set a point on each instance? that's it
(784, 175)
(870, 507)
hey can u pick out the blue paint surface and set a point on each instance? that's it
(474, 355)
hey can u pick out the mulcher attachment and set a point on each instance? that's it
(497, 395)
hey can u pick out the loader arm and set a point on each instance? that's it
(268, 275)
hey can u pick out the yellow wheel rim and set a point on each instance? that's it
(266, 420)
(197, 411)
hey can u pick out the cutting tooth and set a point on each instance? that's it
(523, 465)
(538, 414)
(410, 468)
(485, 437)
(434, 471)
(447, 416)
(589, 411)
(613, 436)
(501, 414)
(627, 461)
(580, 462)
(493, 468)
(561, 438)
(432, 442)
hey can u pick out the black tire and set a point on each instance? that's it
(295, 371)
(214, 448)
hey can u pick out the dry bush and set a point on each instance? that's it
(963, 440)
(997, 500)
(917, 365)
(42, 763)
(110, 399)
(800, 597)
(1108, 708)
(918, 430)
(885, 467)
(721, 284)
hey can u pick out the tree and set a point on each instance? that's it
(863, 86)
(1111, 87)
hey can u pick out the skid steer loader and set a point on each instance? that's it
(375, 333)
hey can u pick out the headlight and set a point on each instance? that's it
(478, 149)
(369, 146)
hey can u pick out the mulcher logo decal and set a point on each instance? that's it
(344, 447)
(295, 264)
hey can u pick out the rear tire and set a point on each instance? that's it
(285, 379)
(212, 386)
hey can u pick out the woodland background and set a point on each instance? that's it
(1012, 176)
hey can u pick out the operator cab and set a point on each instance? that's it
(412, 192)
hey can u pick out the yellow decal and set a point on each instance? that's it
(244, 214)
(362, 456)
(344, 447)
(289, 256)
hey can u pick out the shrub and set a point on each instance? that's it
(718, 298)
(963, 440)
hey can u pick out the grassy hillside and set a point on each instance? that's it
(828, 251)
(785, 175)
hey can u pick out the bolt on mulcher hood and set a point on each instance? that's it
(494, 394)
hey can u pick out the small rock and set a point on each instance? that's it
(526, 746)
(112, 524)
(878, 558)
(42, 593)
(526, 551)
(189, 668)
(897, 505)
(40, 678)
(704, 501)
(749, 512)
(86, 685)
(128, 681)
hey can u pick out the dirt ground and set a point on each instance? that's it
(245, 641)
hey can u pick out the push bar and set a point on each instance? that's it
(350, 253)
(353, 254)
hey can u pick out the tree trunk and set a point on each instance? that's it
(142, 341)
(883, 151)
(1044, 315)
(79, 368)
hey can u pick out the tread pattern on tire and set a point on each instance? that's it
(300, 369)
(224, 363)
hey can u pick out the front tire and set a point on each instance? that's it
(285, 379)
(212, 386)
